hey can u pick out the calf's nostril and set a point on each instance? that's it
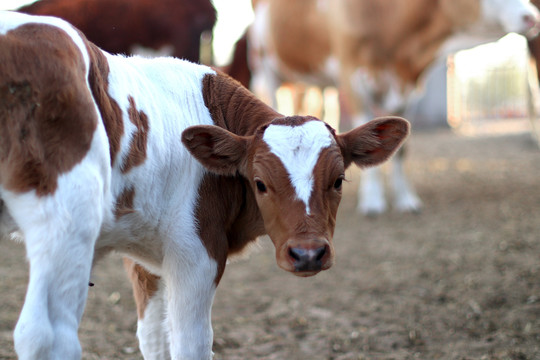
(297, 254)
(307, 259)
(319, 253)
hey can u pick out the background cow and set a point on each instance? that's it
(171, 163)
(374, 52)
(123, 26)
(534, 42)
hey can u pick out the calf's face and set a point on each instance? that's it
(296, 166)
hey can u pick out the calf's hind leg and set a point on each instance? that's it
(174, 312)
(60, 231)
(149, 294)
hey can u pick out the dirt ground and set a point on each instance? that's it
(461, 280)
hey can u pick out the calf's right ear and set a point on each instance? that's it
(217, 149)
(374, 142)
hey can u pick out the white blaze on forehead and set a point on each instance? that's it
(298, 148)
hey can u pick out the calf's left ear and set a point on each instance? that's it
(374, 142)
(217, 149)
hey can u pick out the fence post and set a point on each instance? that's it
(453, 97)
(533, 100)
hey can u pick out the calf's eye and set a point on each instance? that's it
(260, 186)
(338, 183)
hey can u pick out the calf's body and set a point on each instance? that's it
(168, 162)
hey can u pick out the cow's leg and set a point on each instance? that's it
(298, 95)
(354, 95)
(152, 330)
(190, 279)
(60, 231)
(405, 198)
(371, 200)
(265, 83)
(371, 192)
(371, 197)
(149, 294)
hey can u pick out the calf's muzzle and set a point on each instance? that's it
(306, 258)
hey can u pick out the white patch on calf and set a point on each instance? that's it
(298, 148)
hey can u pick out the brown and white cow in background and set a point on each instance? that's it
(171, 163)
(374, 52)
(534, 44)
(173, 27)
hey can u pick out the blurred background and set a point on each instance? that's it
(234, 16)
(487, 88)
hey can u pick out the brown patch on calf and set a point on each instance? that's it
(124, 203)
(47, 115)
(144, 285)
(108, 107)
(139, 140)
(227, 217)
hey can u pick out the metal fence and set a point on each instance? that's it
(492, 83)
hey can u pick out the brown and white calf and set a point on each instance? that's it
(168, 162)
(375, 52)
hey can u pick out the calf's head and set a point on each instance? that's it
(295, 167)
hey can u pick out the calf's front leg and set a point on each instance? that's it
(190, 288)
(405, 198)
(174, 311)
